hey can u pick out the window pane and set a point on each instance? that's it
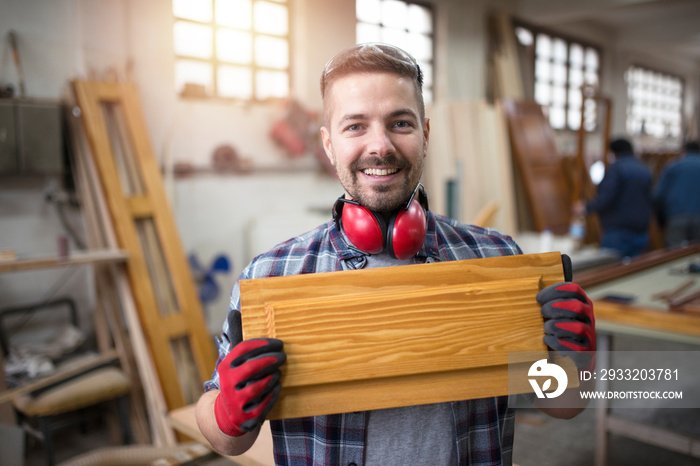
(420, 46)
(394, 14)
(195, 10)
(271, 18)
(367, 33)
(574, 121)
(271, 84)
(556, 117)
(576, 56)
(543, 46)
(397, 37)
(591, 59)
(192, 40)
(543, 94)
(543, 70)
(234, 46)
(271, 52)
(590, 114)
(427, 70)
(419, 19)
(591, 77)
(193, 72)
(367, 11)
(234, 13)
(575, 98)
(575, 77)
(558, 96)
(524, 36)
(559, 73)
(235, 81)
(559, 51)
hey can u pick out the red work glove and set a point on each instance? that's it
(249, 385)
(569, 324)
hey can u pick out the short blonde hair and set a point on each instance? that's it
(372, 57)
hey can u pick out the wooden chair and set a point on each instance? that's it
(64, 402)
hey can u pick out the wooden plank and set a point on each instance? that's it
(592, 277)
(378, 338)
(409, 331)
(539, 166)
(76, 368)
(497, 167)
(52, 260)
(676, 322)
(440, 164)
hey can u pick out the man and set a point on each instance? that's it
(623, 202)
(677, 198)
(376, 135)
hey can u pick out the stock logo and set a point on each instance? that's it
(541, 369)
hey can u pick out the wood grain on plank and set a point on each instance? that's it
(378, 338)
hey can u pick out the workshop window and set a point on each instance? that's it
(562, 68)
(406, 25)
(654, 103)
(236, 49)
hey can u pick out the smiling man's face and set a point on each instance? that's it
(375, 138)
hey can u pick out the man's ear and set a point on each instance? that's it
(327, 147)
(426, 135)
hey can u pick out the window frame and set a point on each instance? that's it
(254, 67)
(532, 79)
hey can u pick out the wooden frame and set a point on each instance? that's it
(416, 334)
(163, 287)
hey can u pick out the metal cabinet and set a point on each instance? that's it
(31, 140)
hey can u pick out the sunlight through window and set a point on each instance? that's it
(404, 24)
(561, 69)
(236, 49)
(654, 103)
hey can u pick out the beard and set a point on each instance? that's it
(382, 198)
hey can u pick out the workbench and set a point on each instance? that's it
(627, 301)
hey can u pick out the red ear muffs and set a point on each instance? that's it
(402, 236)
(407, 231)
(363, 228)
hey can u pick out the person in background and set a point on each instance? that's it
(376, 135)
(623, 202)
(677, 198)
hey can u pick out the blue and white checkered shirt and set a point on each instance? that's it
(484, 427)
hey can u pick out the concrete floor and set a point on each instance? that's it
(539, 440)
(544, 441)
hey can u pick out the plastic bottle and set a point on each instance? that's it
(577, 231)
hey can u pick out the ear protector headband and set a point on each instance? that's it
(401, 236)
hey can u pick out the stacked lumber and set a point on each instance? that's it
(469, 148)
(114, 292)
(173, 350)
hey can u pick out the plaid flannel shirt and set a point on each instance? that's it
(484, 427)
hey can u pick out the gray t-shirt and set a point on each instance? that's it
(422, 434)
